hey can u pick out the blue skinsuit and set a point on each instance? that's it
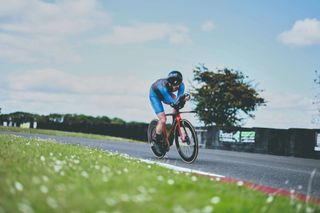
(159, 92)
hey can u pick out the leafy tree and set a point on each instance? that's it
(21, 117)
(223, 97)
(117, 121)
(316, 102)
(55, 117)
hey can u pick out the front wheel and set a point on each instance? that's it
(187, 143)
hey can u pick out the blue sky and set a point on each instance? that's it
(100, 57)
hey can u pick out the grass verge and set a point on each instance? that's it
(63, 133)
(43, 176)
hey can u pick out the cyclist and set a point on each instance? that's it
(163, 91)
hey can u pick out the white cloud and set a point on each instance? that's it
(303, 33)
(49, 90)
(56, 81)
(36, 31)
(207, 26)
(145, 32)
(284, 110)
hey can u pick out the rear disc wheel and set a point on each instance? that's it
(151, 137)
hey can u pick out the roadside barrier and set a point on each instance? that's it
(287, 142)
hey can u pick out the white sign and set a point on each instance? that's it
(317, 147)
(237, 137)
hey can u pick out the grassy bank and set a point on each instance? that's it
(43, 176)
(63, 133)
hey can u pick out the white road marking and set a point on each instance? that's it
(181, 169)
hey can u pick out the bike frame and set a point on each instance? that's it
(176, 118)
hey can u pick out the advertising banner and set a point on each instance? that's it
(237, 136)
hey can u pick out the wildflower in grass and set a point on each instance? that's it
(269, 199)
(139, 198)
(24, 207)
(44, 189)
(149, 166)
(125, 198)
(105, 179)
(76, 161)
(160, 178)
(152, 190)
(125, 170)
(45, 178)
(218, 179)
(111, 202)
(101, 211)
(299, 207)
(215, 200)
(207, 209)
(97, 167)
(35, 180)
(264, 209)
(18, 186)
(84, 174)
(178, 209)
(240, 183)
(60, 187)
(142, 190)
(309, 210)
(105, 169)
(194, 178)
(170, 182)
(42, 158)
(52, 202)
(12, 190)
(57, 168)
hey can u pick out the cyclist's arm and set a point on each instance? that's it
(167, 98)
(181, 90)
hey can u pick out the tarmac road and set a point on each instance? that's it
(288, 173)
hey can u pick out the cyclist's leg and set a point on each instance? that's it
(161, 123)
(159, 110)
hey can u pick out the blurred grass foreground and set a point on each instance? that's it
(44, 176)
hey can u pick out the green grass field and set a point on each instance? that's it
(62, 133)
(44, 176)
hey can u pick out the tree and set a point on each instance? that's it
(117, 121)
(316, 102)
(224, 96)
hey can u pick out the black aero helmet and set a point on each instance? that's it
(175, 78)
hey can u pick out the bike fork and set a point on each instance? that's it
(180, 132)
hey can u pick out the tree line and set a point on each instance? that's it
(80, 123)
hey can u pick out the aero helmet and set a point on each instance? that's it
(175, 78)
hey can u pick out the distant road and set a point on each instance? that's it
(289, 173)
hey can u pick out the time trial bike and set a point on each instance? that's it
(182, 132)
